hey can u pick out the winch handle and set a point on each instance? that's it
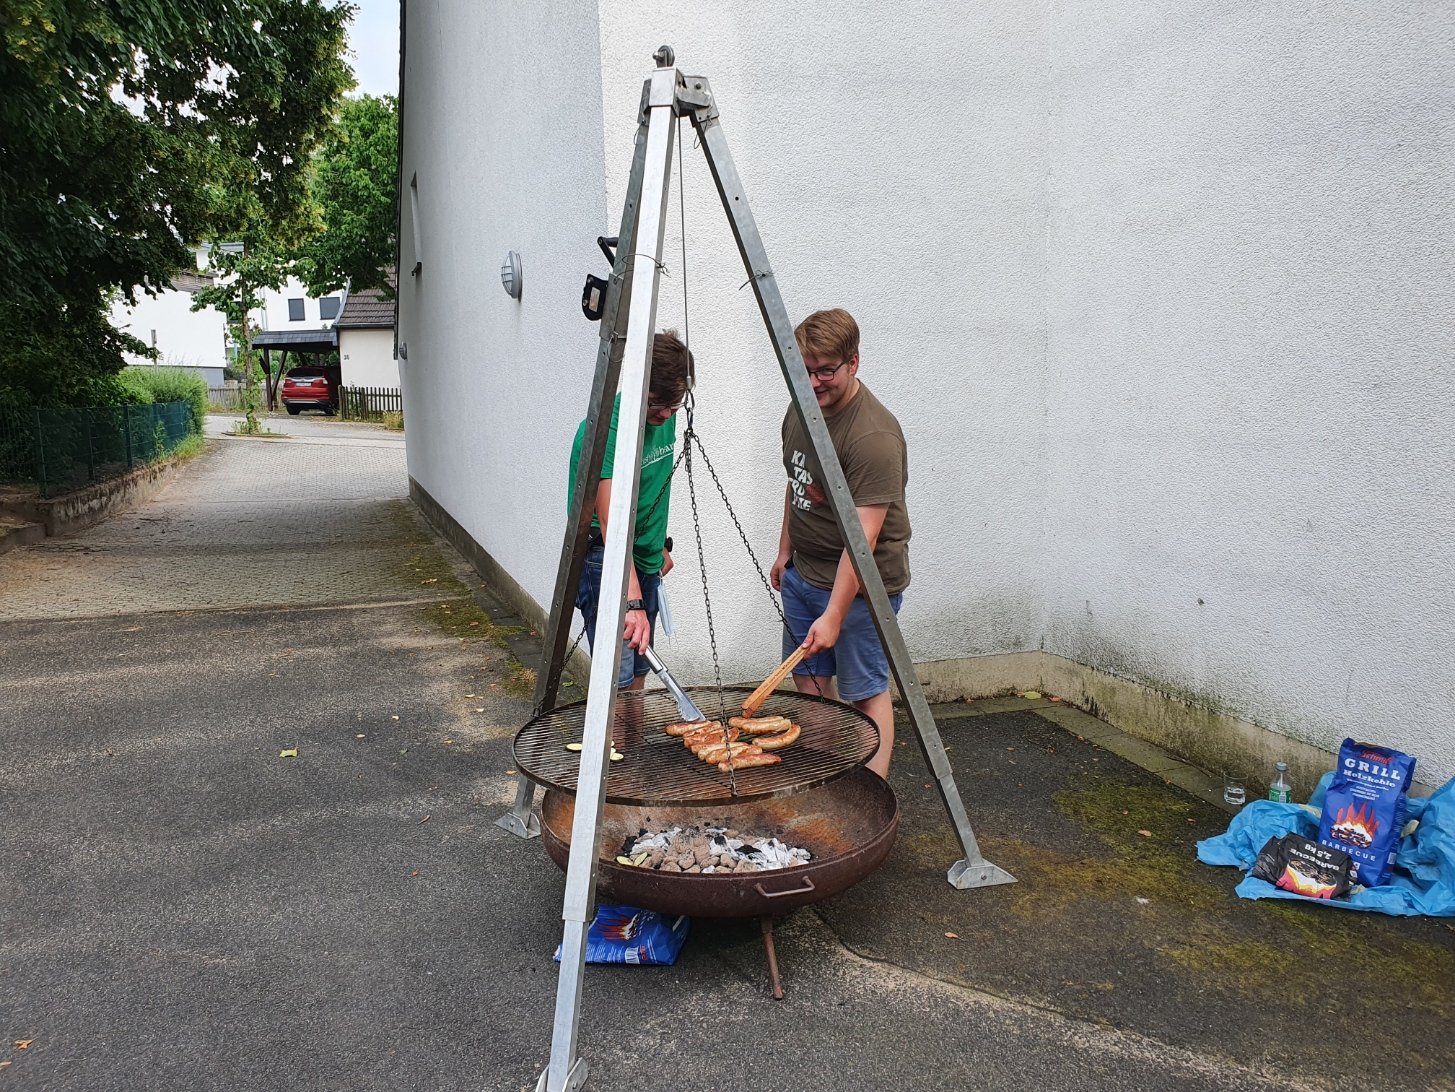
(807, 888)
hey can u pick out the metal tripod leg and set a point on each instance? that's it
(565, 1070)
(973, 870)
(521, 819)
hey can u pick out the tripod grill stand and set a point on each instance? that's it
(627, 325)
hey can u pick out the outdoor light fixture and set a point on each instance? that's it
(510, 274)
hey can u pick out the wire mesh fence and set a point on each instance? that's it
(61, 449)
(369, 403)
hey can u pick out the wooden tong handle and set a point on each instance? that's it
(770, 684)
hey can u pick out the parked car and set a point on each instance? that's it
(311, 387)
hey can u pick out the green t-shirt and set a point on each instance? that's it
(658, 442)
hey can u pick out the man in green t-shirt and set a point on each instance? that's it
(671, 379)
(822, 602)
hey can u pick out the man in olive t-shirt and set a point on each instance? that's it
(826, 613)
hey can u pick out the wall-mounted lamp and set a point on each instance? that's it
(510, 274)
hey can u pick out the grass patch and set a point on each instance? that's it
(521, 682)
(392, 420)
(463, 618)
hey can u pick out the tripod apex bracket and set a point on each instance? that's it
(664, 56)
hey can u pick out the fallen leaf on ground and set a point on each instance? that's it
(448, 742)
(423, 821)
(1145, 833)
(1031, 694)
(431, 580)
(23, 1044)
(953, 936)
(415, 872)
(480, 710)
(291, 752)
(394, 717)
(5, 1065)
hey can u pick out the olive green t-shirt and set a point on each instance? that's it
(655, 482)
(870, 446)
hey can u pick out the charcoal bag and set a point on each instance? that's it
(1304, 867)
(1364, 808)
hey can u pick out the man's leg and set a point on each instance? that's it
(881, 710)
(863, 676)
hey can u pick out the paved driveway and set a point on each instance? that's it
(183, 908)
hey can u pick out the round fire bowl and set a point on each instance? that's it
(848, 825)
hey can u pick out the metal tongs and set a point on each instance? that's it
(689, 711)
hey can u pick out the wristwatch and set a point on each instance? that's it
(635, 604)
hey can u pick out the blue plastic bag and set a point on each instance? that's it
(626, 934)
(1423, 881)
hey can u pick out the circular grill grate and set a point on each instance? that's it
(658, 769)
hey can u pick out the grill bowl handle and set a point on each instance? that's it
(804, 890)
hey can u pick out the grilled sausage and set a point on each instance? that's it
(682, 727)
(746, 762)
(733, 750)
(760, 725)
(715, 734)
(778, 742)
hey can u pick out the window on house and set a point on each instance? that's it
(328, 308)
(295, 310)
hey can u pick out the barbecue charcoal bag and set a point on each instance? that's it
(1304, 867)
(1364, 809)
(626, 934)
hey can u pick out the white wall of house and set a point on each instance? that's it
(276, 313)
(366, 357)
(193, 339)
(1160, 296)
(1250, 482)
(502, 142)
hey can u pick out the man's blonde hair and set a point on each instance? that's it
(832, 333)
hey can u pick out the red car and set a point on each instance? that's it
(311, 387)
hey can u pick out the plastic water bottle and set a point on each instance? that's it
(1280, 792)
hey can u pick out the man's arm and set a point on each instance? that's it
(824, 633)
(785, 547)
(638, 631)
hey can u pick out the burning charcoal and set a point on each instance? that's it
(694, 868)
(670, 866)
(687, 862)
(745, 866)
(656, 857)
(703, 857)
(730, 833)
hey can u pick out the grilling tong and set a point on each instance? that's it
(689, 711)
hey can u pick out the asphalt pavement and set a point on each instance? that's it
(186, 905)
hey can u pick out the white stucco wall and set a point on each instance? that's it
(1250, 493)
(274, 312)
(920, 212)
(1160, 296)
(367, 358)
(502, 137)
(182, 336)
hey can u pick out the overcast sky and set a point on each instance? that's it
(374, 45)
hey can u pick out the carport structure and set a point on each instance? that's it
(316, 343)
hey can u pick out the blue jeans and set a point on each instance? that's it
(858, 658)
(588, 596)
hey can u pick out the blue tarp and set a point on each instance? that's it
(1423, 881)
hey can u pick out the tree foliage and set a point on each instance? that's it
(133, 128)
(355, 188)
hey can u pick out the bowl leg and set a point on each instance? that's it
(766, 923)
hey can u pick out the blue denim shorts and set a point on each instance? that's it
(588, 594)
(858, 659)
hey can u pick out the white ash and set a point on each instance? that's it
(713, 849)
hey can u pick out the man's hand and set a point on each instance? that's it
(667, 562)
(823, 634)
(776, 573)
(638, 631)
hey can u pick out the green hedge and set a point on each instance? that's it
(160, 383)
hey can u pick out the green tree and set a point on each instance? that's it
(131, 129)
(355, 187)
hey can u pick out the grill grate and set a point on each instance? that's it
(658, 770)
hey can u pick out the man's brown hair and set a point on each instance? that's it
(832, 333)
(673, 369)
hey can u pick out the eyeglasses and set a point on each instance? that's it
(823, 375)
(674, 405)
